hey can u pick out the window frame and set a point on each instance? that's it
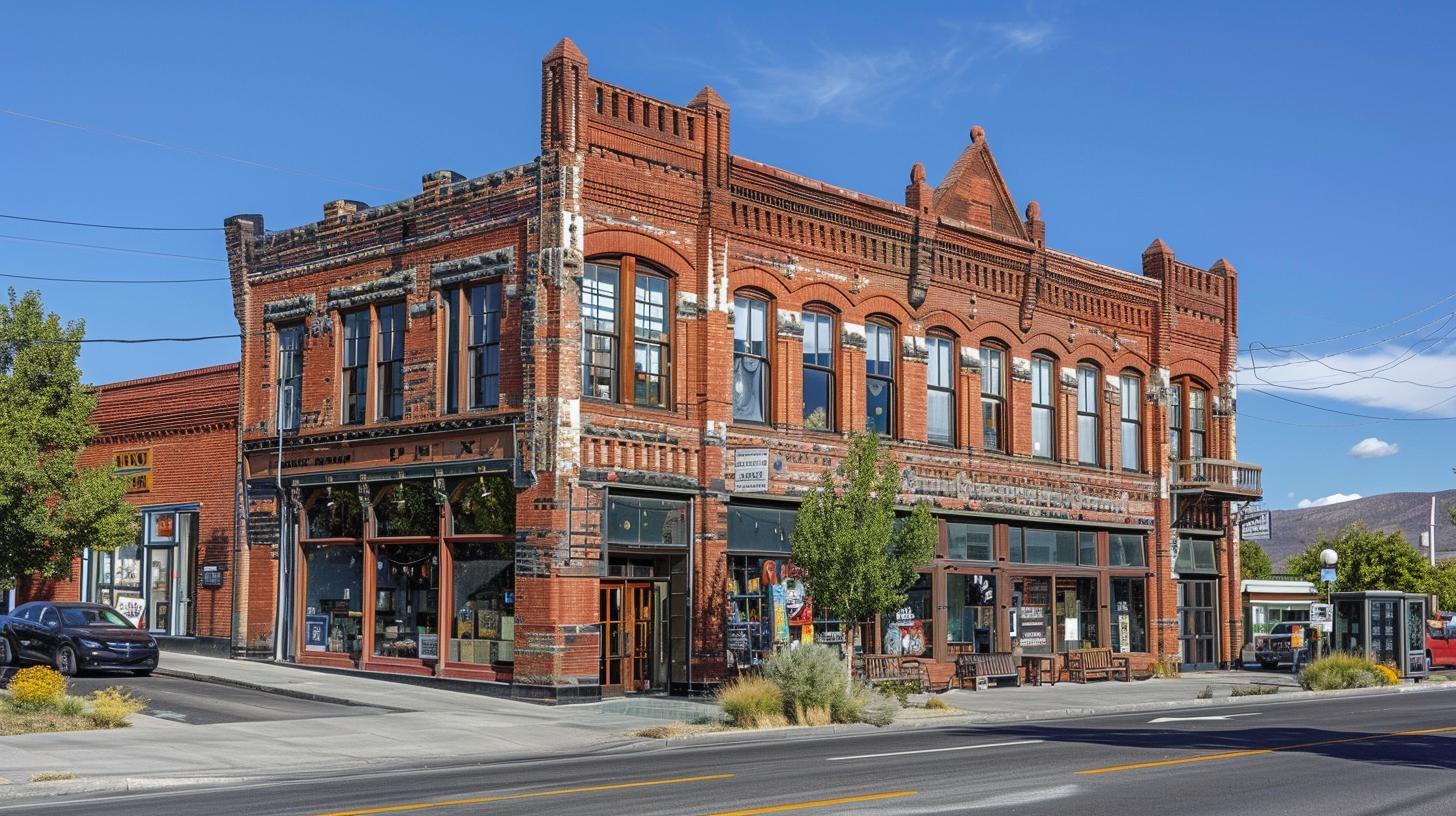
(1087, 371)
(1197, 421)
(478, 354)
(389, 372)
(948, 388)
(825, 364)
(611, 335)
(880, 330)
(1046, 362)
(662, 344)
(1175, 422)
(354, 379)
(744, 350)
(284, 356)
(1131, 427)
(994, 401)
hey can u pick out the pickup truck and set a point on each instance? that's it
(1441, 640)
(1274, 648)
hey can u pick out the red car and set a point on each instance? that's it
(1441, 640)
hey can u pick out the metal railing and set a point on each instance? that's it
(1221, 475)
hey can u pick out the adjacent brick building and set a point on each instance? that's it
(174, 438)
(512, 412)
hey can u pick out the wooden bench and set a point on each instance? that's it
(886, 668)
(990, 665)
(1085, 663)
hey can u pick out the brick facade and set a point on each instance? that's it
(639, 183)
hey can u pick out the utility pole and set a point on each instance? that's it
(1432, 533)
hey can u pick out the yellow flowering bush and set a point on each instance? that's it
(111, 706)
(37, 687)
(1391, 678)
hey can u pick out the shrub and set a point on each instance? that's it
(1165, 667)
(810, 676)
(1253, 691)
(879, 710)
(71, 706)
(1390, 675)
(1344, 671)
(1206, 694)
(111, 706)
(937, 704)
(849, 707)
(900, 690)
(36, 688)
(813, 715)
(747, 700)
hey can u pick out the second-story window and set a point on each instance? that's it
(993, 398)
(879, 379)
(1175, 422)
(818, 371)
(290, 376)
(940, 390)
(1043, 411)
(750, 359)
(1197, 422)
(1089, 424)
(599, 332)
(649, 341)
(390, 363)
(356, 366)
(483, 350)
(1132, 421)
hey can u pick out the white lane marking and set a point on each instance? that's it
(1214, 717)
(935, 750)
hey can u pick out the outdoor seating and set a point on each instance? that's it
(990, 665)
(1085, 663)
(887, 668)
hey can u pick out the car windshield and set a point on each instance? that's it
(92, 616)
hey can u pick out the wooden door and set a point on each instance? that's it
(640, 651)
(626, 626)
(614, 662)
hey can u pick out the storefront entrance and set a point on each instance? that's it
(1198, 624)
(633, 637)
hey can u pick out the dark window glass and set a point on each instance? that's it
(483, 505)
(1017, 553)
(1089, 424)
(968, 542)
(1175, 422)
(760, 529)
(647, 521)
(818, 371)
(334, 512)
(1087, 549)
(599, 332)
(940, 390)
(356, 366)
(1195, 555)
(750, 359)
(971, 611)
(484, 349)
(1126, 550)
(407, 509)
(483, 630)
(650, 341)
(406, 597)
(452, 351)
(879, 379)
(1129, 615)
(1050, 546)
(391, 361)
(290, 376)
(1197, 422)
(1132, 424)
(993, 398)
(335, 587)
(1043, 412)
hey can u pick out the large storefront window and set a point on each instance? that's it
(1076, 613)
(1126, 550)
(484, 505)
(971, 611)
(406, 609)
(968, 542)
(1031, 610)
(335, 513)
(910, 632)
(407, 509)
(118, 580)
(333, 598)
(484, 628)
(1129, 615)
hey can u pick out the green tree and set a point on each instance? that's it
(1369, 559)
(857, 561)
(1444, 583)
(1254, 563)
(50, 508)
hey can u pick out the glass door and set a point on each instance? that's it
(159, 590)
(1197, 624)
(614, 640)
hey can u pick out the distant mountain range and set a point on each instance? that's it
(1292, 531)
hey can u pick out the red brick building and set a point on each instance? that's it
(549, 425)
(174, 437)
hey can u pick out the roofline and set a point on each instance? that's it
(176, 375)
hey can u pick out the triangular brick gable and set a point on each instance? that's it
(973, 191)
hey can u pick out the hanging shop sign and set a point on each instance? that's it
(1255, 526)
(750, 470)
(316, 633)
(135, 466)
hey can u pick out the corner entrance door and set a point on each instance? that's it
(627, 626)
(1198, 624)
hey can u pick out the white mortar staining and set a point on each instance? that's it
(633, 223)
(715, 433)
(852, 335)
(971, 359)
(1021, 369)
(790, 324)
(720, 294)
(913, 348)
(568, 435)
(1069, 378)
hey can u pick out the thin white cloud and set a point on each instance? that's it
(1325, 501)
(1392, 378)
(1373, 448)
(1029, 37)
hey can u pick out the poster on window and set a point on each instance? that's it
(164, 527)
(1033, 627)
(131, 607)
(780, 613)
(800, 608)
(316, 633)
(429, 647)
(1124, 627)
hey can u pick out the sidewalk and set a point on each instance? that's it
(1067, 699)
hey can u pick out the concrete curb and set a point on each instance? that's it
(134, 784)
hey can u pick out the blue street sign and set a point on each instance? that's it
(1327, 575)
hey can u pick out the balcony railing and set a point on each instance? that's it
(1219, 476)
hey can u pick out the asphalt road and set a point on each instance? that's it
(200, 703)
(1345, 756)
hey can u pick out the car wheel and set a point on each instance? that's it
(7, 651)
(66, 661)
(1268, 665)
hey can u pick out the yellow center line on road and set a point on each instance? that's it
(818, 803)
(1163, 763)
(507, 797)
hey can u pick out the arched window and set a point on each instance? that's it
(880, 378)
(1197, 421)
(993, 398)
(1132, 420)
(940, 390)
(818, 371)
(1089, 418)
(1043, 409)
(605, 333)
(750, 359)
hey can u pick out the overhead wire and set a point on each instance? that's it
(108, 226)
(1366, 330)
(107, 248)
(111, 280)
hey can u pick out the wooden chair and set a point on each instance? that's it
(990, 665)
(1085, 663)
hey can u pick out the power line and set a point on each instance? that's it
(1366, 330)
(111, 280)
(1246, 415)
(109, 226)
(1430, 343)
(112, 248)
(129, 340)
(196, 151)
(1365, 416)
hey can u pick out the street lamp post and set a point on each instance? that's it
(1329, 558)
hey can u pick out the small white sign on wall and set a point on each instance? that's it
(750, 470)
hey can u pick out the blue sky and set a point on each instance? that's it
(1307, 143)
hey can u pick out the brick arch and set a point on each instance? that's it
(1094, 354)
(820, 292)
(756, 277)
(1056, 346)
(1128, 358)
(625, 242)
(884, 305)
(948, 321)
(996, 331)
(1195, 368)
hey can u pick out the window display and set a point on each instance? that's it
(406, 609)
(1129, 615)
(335, 512)
(484, 623)
(483, 505)
(407, 509)
(1031, 608)
(333, 589)
(971, 611)
(119, 580)
(1076, 612)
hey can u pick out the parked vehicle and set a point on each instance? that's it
(1441, 640)
(75, 637)
(1275, 648)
